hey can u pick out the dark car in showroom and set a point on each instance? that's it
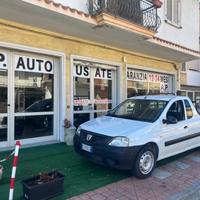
(38, 123)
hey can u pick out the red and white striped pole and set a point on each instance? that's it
(12, 180)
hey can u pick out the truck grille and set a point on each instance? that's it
(95, 138)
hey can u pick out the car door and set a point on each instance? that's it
(193, 125)
(172, 135)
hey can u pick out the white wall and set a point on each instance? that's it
(188, 35)
(193, 73)
(77, 4)
(195, 65)
(193, 78)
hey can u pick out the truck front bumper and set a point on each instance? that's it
(117, 157)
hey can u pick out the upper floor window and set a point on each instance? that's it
(173, 12)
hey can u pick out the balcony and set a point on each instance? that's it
(141, 12)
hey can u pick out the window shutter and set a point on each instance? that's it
(169, 10)
(177, 12)
(173, 11)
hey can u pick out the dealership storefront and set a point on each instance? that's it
(46, 78)
(32, 102)
(33, 97)
(76, 69)
(28, 97)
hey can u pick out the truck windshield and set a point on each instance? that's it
(139, 109)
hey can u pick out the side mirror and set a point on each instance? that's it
(170, 120)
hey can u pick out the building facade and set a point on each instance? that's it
(58, 62)
(190, 76)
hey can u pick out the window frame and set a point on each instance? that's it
(179, 14)
(183, 107)
(190, 107)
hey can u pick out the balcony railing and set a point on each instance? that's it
(142, 12)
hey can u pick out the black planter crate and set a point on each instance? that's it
(45, 190)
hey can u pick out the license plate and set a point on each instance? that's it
(87, 148)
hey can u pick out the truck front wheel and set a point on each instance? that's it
(145, 162)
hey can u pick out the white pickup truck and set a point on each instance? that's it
(139, 132)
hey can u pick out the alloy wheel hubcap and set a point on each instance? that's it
(146, 162)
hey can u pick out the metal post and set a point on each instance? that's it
(12, 179)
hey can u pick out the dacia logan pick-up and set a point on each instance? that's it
(139, 132)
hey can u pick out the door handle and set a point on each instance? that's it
(185, 127)
(8, 104)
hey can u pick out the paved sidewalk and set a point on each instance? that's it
(168, 181)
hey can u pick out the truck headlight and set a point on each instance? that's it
(119, 142)
(78, 131)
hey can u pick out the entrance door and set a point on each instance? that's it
(94, 91)
(27, 98)
(33, 97)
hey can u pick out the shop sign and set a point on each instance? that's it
(154, 78)
(30, 64)
(137, 76)
(3, 61)
(81, 71)
(164, 79)
(85, 71)
(164, 85)
(146, 76)
(141, 76)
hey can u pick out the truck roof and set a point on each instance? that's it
(159, 97)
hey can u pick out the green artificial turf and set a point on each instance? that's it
(80, 175)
